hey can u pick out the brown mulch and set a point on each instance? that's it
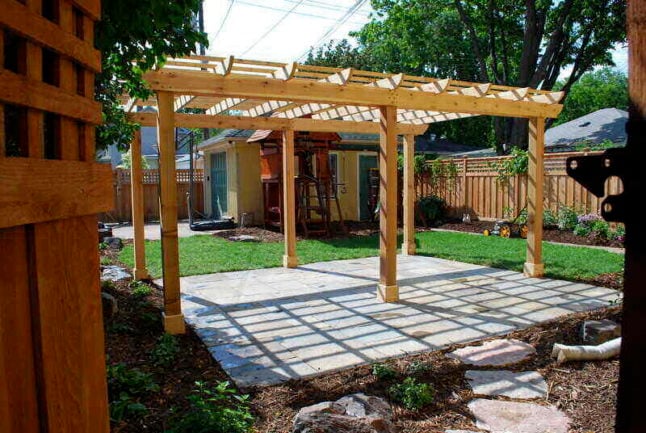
(585, 391)
(353, 229)
(552, 235)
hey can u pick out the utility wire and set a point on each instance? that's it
(349, 13)
(303, 14)
(224, 20)
(272, 28)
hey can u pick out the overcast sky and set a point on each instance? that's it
(284, 30)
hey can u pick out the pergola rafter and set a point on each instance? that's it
(248, 94)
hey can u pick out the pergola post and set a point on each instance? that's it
(387, 290)
(173, 317)
(534, 265)
(408, 245)
(289, 200)
(137, 203)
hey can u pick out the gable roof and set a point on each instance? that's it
(593, 128)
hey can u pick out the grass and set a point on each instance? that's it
(210, 254)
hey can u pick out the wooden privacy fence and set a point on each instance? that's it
(122, 195)
(478, 191)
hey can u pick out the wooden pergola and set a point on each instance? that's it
(246, 94)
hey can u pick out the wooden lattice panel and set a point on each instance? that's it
(52, 365)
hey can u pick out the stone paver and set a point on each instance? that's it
(494, 353)
(271, 325)
(523, 385)
(499, 416)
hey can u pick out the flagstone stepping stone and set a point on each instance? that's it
(460, 431)
(511, 417)
(526, 384)
(494, 353)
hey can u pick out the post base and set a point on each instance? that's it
(290, 261)
(387, 293)
(409, 248)
(140, 274)
(174, 324)
(534, 270)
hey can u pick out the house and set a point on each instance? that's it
(242, 172)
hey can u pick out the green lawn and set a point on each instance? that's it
(209, 254)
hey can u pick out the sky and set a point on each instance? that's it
(284, 30)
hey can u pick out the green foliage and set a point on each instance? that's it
(592, 225)
(166, 351)
(582, 230)
(125, 388)
(586, 146)
(119, 328)
(140, 289)
(411, 394)
(603, 88)
(433, 208)
(133, 37)
(566, 218)
(126, 161)
(514, 165)
(509, 214)
(619, 233)
(550, 219)
(417, 368)
(103, 246)
(107, 285)
(217, 410)
(383, 371)
(419, 163)
(105, 261)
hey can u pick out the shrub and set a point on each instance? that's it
(619, 233)
(125, 386)
(433, 208)
(566, 218)
(550, 219)
(509, 213)
(416, 368)
(217, 410)
(383, 372)
(165, 351)
(107, 285)
(582, 230)
(106, 261)
(139, 289)
(600, 230)
(411, 394)
(592, 225)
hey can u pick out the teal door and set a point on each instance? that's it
(219, 184)
(366, 162)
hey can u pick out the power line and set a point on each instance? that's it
(351, 11)
(303, 14)
(272, 28)
(224, 20)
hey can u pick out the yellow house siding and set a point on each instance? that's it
(249, 186)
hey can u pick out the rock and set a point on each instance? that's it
(500, 416)
(114, 243)
(355, 413)
(244, 238)
(526, 384)
(110, 307)
(494, 353)
(114, 273)
(596, 332)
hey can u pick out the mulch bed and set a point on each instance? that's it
(585, 391)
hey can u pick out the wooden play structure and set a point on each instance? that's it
(52, 363)
(315, 193)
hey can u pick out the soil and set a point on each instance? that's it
(585, 391)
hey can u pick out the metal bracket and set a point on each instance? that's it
(592, 172)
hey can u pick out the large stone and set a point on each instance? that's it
(494, 353)
(511, 417)
(595, 332)
(526, 384)
(355, 413)
(110, 307)
(114, 243)
(114, 273)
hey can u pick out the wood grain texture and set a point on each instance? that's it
(388, 198)
(18, 393)
(535, 182)
(289, 200)
(36, 28)
(33, 190)
(408, 246)
(20, 90)
(137, 193)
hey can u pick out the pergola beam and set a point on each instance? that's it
(534, 266)
(273, 123)
(254, 87)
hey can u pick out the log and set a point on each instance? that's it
(607, 350)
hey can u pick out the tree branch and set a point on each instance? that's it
(474, 41)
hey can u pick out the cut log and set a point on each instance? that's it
(607, 350)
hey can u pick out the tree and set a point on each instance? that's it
(603, 88)
(126, 161)
(511, 42)
(133, 37)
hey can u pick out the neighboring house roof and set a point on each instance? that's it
(594, 128)
(226, 135)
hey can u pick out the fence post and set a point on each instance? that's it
(464, 185)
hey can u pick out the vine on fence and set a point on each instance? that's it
(507, 168)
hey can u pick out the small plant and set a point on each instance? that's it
(581, 230)
(103, 246)
(125, 406)
(107, 285)
(140, 289)
(217, 410)
(105, 261)
(550, 219)
(165, 351)
(119, 328)
(600, 230)
(149, 319)
(417, 368)
(383, 372)
(619, 233)
(566, 218)
(433, 208)
(125, 386)
(592, 225)
(411, 394)
(510, 214)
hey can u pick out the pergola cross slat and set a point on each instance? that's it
(259, 95)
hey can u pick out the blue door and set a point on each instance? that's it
(219, 184)
(366, 162)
